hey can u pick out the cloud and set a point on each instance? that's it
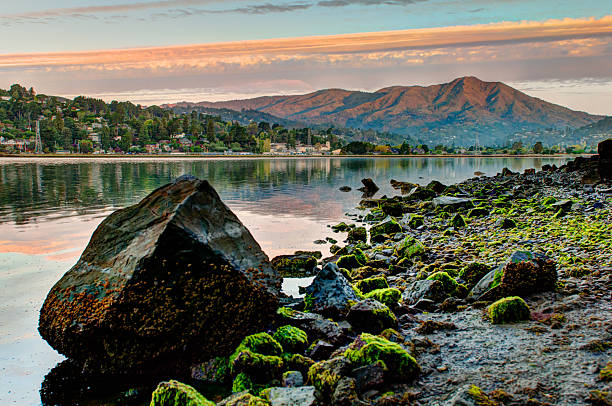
(343, 3)
(594, 33)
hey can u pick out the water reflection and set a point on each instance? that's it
(50, 207)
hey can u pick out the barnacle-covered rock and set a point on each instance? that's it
(161, 284)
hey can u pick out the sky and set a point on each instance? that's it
(164, 51)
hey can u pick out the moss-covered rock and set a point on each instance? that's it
(387, 227)
(216, 371)
(291, 338)
(371, 316)
(387, 296)
(369, 349)
(174, 393)
(258, 355)
(416, 221)
(357, 234)
(297, 362)
(349, 262)
(241, 383)
(325, 375)
(295, 265)
(244, 399)
(448, 283)
(409, 247)
(369, 284)
(458, 221)
(473, 272)
(342, 227)
(478, 212)
(508, 310)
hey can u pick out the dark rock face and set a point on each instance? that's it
(369, 188)
(161, 284)
(604, 149)
(330, 293)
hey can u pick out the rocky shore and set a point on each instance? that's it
(494, 291)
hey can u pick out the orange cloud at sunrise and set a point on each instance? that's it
(264, 51)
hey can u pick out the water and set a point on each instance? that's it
(50, 207)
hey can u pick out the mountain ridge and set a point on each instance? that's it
(465, 105)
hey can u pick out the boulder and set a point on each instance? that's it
(452, 202)
(293, 379)
(604, 149)
(174, 393)
(161, 284)
(330, 293)
(295, 266)
(302, 396)
(371, 316)
(523, 273)
(429, 289)
(369, 188)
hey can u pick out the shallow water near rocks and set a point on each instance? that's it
(50, 207)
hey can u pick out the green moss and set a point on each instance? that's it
(448, 283)
(174, 393)
(286, 312)
(368, 349)
(473, 272)
(606, 372)
(357, 234)
(324, 375)
(292, 265)
(361, 257)
(257, 355)
(409, 247)
(297, 362)
(369, 284)
(349, 262)
(334, 248)
(246, 399)
(508, 310)
(261, 343)
(241, 383)
(291, 338)
(342, 227)
(480, 397)
(386, 296)
(308, 302)
(387, 227)
(416, 221)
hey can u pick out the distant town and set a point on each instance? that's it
(34, 123)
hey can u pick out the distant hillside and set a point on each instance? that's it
(243, 117)
(451, 113)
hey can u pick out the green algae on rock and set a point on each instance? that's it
(291, 338)
(387, 296)
(371, 316)
(151, 290)
(508, 310)
(174, 393)
(369, 349)
(369, 284)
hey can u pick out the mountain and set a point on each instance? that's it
(243, 117)
(451, 113)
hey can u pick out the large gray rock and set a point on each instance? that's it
(302, 396)
(330, 293)
(452, 201)
(424, 289)
(168, 282)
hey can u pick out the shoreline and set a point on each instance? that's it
(261, 156)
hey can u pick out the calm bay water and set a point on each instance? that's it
(50, 207)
